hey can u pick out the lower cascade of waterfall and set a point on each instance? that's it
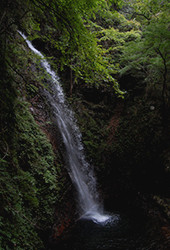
(80, 171)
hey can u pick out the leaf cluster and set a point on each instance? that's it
(148, 56)
(28, 183)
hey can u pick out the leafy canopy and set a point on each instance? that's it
(148, 56)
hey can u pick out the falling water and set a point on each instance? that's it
(80, 171)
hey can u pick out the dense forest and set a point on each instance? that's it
(113, 61)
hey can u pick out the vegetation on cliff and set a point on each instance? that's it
(103, 50)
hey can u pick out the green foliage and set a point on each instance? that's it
(17, 14)
(89, 37)
(145, 10)
(66, 28)
(28, 183)
(112, 31)
(148, 56)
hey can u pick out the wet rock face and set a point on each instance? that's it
(92, 95)
(65, 211)
(40, 45)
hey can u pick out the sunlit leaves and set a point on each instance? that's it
(149, 55)
(145, 10)
(71, 32)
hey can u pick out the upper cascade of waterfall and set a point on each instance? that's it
(80, 171)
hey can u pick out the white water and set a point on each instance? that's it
(80, 171)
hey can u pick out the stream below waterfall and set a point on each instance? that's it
(122, 233)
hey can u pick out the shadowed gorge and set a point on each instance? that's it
(84, 125)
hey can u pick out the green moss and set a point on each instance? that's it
(28, 183)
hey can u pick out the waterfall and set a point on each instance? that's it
(79, 169)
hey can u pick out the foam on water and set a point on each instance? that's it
(96, 217)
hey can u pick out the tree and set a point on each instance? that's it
(149, 54)
(66, 26)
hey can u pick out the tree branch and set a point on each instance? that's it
(13, 22)
(164, 74)
(15, 71)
